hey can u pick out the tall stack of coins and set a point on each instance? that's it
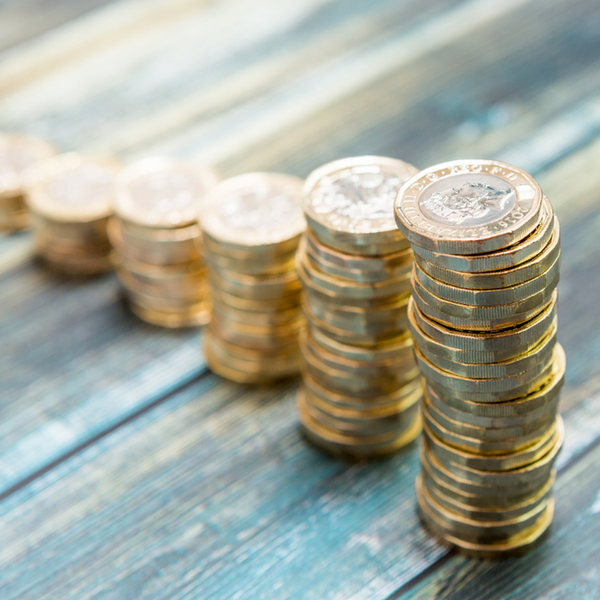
(19, 157)
(361, 385)
(70, 204)
(251, 226)
(483, 318)
(155, 237)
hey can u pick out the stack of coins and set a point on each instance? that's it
(361, 387)
(19, 157)
(155, 237)
(251, 226)
(483, 318)
(70, 204)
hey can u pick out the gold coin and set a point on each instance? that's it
(287, 302)
(193, 318)
(255, 287)
(526, 335)
(514, 276)
(251, 266)
(162, 192)
(14, 220)
(256, 210)
(468, 207)
(349, 204)
(266, 318)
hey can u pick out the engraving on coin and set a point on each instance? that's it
(468, 207)
(468, 202)
(254, 209)
(356, 195)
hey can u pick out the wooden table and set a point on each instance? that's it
(127, 470)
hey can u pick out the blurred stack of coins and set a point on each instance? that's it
(251, 226)
(155, 237)
(20, 155)
(483, 318)
(361, 386)
(70, 204)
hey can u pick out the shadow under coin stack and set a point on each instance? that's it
(483, 319)
(155, 237)
(361, 386)
(251, 226)
(70, 204)
(20, 155)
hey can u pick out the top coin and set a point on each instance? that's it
(162, 192)
(256, 210)
(71, 188)
(468, 207)
(18, 155)
(351, 201)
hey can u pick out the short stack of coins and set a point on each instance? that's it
(251, 226)
(20, 155)
(361, 385)
(70, 204)
(155, 238)
(483, 318)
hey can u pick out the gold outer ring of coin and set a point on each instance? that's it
(540, 354)
(511, 314)
(331, 286)
(474, 494)
(515, 546)
(396, 348)
(435, 350)
(520, 410)
(447, 497)
(166, 305)
(497, 279)
(356, 367)
(264, 318)
(24, 154)
(90, 233)
(384, 263)
(497, 390)
(383, 404)
(248, 267)
(479, 532)
(502, 229)
(61, 192)
(255, 287)
(506, 258)
(170, 320)
(372, 232)
(77, 266)
(258, 222)
(232, 251)
(323, 400)
(493, 297)
(361, 425)
(162, 274)
(481, 440)
(158, 247)
(358, 447)
(361, 275)
(70, 247)
(508, 463)
(526, 335)
(458, 427)
(198, 180)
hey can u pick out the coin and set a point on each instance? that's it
(162, 192)
(468, 207)
(191, 318)
(505, 258)
(349, 204)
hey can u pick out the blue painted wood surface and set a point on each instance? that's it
(129, 471)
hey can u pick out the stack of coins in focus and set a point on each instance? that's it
(483, 318)
(20, 155)
(155, 237)
(361, 386)
(70, 204)
(251, 226)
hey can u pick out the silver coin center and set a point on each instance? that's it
(468, 200)
(165, 191)
(259, 210)
(357, 199)
(86, 184)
